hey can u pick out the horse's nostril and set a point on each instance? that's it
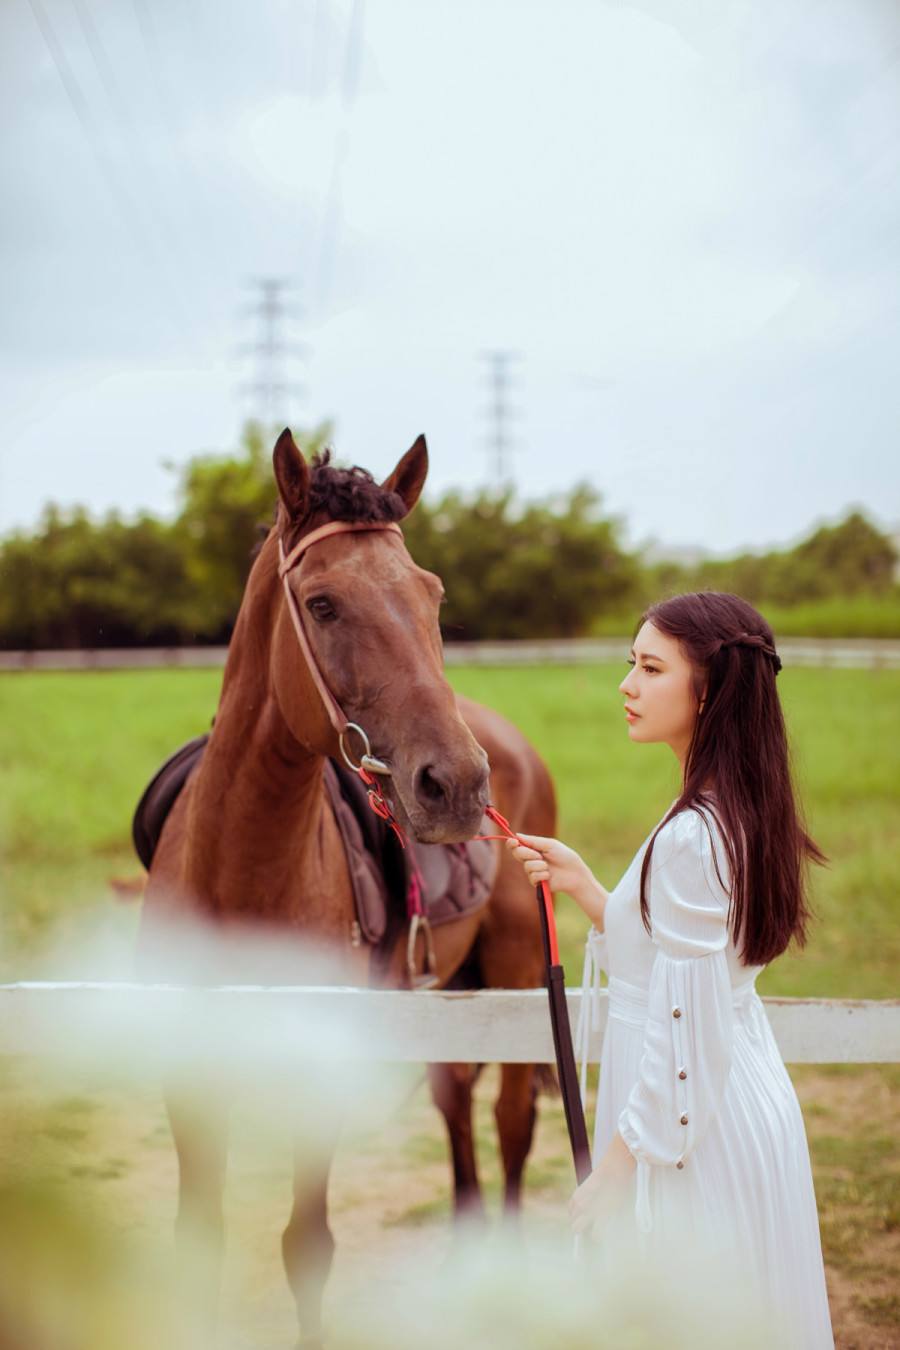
(429, 787)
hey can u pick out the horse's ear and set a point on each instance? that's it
(291, 475)
(408, 478)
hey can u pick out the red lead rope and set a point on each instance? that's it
(415, 900)
(382, 807)
(543, 888)
(380, 804)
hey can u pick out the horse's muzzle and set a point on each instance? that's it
(445, 803)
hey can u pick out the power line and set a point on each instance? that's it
(130, 215)
(122, 109)
(81, 110)
(318, 8)
(353, 54)
(331, 211)
(166, 100)
(150, 44)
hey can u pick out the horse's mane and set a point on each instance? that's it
(342, 494)
(349, 494)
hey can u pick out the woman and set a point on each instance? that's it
(694, 1100)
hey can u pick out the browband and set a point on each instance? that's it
(323, 532)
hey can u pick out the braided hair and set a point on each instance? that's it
(737, 770)
(757, 640)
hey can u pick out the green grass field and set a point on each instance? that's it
(76, 751)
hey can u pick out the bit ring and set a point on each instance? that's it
(354, 726)
(369, 762)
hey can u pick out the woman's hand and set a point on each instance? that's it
(600, 1194)
(564, 870)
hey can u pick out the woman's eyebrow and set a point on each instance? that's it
(647, 656)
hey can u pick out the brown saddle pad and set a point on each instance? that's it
(159, 797)
(456, 879)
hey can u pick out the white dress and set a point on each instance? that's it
(692, 1078)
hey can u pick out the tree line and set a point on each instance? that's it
(557, 568)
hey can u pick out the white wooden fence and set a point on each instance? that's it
(288, 1024)
(848, 653)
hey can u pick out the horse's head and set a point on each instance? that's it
(370, 615)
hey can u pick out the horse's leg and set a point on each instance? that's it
(451, 1090)
(199, 1123)
(307, 1245)
(515, 1112)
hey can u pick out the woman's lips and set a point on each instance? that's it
(630, 716)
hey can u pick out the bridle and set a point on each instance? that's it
(286, 564)
(369, 765)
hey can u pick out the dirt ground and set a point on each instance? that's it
(852, 1116)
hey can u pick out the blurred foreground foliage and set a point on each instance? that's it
(68, 1281)
(512, 570)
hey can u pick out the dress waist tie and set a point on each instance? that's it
(630, 1002)
(589, 1010)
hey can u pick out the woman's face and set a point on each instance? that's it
(660, 702)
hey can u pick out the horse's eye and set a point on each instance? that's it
(321, 608)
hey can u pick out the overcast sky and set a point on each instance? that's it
(683, 217)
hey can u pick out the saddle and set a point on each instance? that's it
(453, 880)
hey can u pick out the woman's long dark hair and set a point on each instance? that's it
(739, 754)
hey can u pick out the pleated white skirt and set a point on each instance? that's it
(747, 1186)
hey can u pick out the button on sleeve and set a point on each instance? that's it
(687, 1050)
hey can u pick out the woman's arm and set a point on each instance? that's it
(565, 870)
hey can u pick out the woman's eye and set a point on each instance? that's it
(321, 608)
(630, 661)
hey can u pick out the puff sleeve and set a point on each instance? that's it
(687, 1049)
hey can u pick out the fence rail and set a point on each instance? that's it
(286, 1024)
(845, 653)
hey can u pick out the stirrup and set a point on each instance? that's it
(428, 979)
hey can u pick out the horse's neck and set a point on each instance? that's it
(257, 802)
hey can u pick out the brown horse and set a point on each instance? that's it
(252, 836)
